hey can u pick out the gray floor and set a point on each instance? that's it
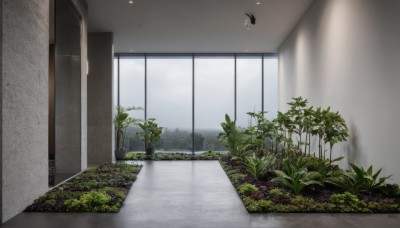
(192, 194)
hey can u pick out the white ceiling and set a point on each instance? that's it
(185, 26)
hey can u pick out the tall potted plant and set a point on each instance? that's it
(122, 121)
(150, 134)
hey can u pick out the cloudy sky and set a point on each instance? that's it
(169, 89)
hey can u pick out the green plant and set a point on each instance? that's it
(324, 167)
(122, 121)
(260, 132)
(335, 130)
(348, 202)
(260, 206)
(359, 180)
(258, 167)
(150, 133)
(233, 138)
(276, 192)
(295, 176)
(247, 189)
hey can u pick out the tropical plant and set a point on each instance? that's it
(296, 113)
(232, 137)
(258, 167)
(259, 132)
(122, 121)
(295, 175)
(360, 180)
(150, 134)
(335, 130)
(324, 167)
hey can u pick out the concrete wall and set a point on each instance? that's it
(100, 98)
(345, 54)
(24, 103)
(71, 88)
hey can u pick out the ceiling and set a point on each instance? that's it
(199, 26)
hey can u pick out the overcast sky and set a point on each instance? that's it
(169, 89)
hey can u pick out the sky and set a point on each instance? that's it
(169, 88)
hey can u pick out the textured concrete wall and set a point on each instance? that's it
(24, 103)
(100, 98)
(71, 88)
(345, 54)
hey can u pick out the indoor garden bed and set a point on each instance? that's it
(288, 165)
(141, 156)
(101, 189)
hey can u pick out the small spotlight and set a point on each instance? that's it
(258, 3)
(130, 2)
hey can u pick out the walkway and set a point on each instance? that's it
(174, 194)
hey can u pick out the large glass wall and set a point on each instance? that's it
(169, 100)
(271, 86)
(132, 94)
(214, 90)
(249, 87)
(182, 91)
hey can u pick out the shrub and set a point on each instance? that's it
(261, 206)
(360, 180)
(348, 202)
(258, 167)
(296, 176)
(275, 192)
(247, 189)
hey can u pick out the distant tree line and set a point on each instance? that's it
(177, 140)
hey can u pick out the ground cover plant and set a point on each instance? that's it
(141, 156)
(101, 189)
(275, 168)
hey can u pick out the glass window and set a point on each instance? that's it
(271, 86)
(115, 83)
(132, 94)
(248, 87)
(169, 100)
(214, 97)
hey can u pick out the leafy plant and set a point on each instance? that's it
(260, 132)
(324, 167)
(295, 176)
(348, 202)
(122, 121)
(232, 138)
(335, 130)
(247, 189)
(360, 180)
(150, 133)
(258, 167)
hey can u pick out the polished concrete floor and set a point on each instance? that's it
(192, 194)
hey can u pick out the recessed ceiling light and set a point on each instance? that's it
(130, 2)
(258, 3)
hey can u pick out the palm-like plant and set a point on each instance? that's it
(150, 134)
(122, 121)
(335, 130)
(295, 176)
(232, 137)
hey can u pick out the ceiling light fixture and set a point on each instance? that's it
(258, 3)
(130, 2)
(252, 21)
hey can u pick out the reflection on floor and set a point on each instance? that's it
(192, 194)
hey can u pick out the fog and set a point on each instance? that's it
(169, 89)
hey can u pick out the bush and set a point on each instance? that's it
(296, 176)
(348, 202)
(258, 167)
(360, 180)
(247, 189)
(275, 192)
(261, 206)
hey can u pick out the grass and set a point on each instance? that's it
(102, 189)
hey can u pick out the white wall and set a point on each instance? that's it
(346, 54)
